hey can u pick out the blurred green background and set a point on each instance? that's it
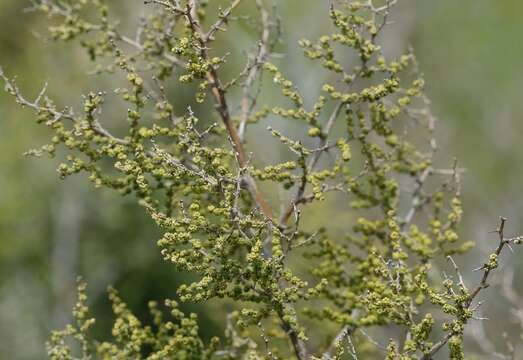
(471, 52)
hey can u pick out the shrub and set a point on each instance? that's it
(364, 147)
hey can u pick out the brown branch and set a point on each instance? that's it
(437, 346)
(487, 270)
(298, 198)
(298, 345)
(222, 107)
(219, 95)
(483, 284)
(223, 19)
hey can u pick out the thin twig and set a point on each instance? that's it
(255, 69)
(298, 197)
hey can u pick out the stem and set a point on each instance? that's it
(222, 107)
(482, 285)
(300, 349)
(253, 73)
(298, 198)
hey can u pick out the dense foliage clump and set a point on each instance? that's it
(368, 137)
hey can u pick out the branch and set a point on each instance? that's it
(66, 114)
(298, 345)
(255, 70)
(487, 269)
(345, 331)
(298, 198)
(222, 107)
(173, 59)
(223, 19)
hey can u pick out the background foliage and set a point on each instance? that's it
(468, 51)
